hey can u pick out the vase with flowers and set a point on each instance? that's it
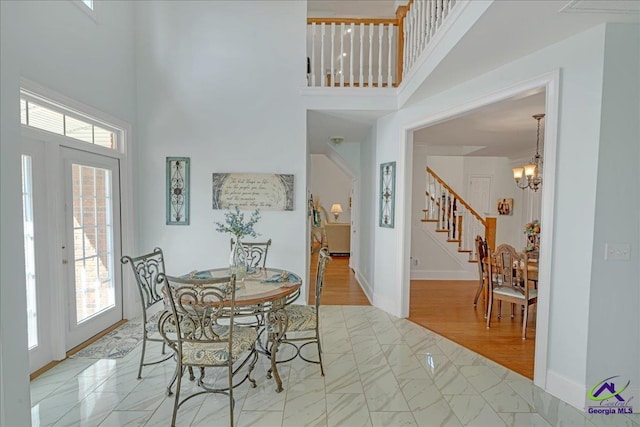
(235, 224)
(532, 231)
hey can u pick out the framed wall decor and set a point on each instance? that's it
(387, 194)
(505, 206)
(249, 191)
(177, 191)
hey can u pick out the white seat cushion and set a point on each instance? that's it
(514, 292)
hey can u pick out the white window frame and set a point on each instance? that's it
(90, 11)
(67, 111)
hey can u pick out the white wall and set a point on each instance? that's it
(56, 45)
(213, 87)
(580, 59)
(329, 185)
(614, 325)
(368, 216)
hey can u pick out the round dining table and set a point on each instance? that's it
(262, 292)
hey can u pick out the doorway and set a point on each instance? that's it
(546, 85)
(71, 210)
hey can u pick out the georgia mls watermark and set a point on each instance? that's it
(607, 397)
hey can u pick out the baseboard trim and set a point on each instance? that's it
(566, 390)
(364, 285)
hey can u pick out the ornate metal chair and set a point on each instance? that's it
(199, 326)
(255, 252)
(302, 319)
(146, 269)
(511, 283)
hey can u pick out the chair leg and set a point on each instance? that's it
(489, 311)
(231, 401)
(319, 351)
(500, 309)
(524, 321)
(144, 347)
(478, 292)
(177, 399)
(251, 367)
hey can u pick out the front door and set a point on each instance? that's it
(92, 243)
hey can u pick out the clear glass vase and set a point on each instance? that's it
(238, 260)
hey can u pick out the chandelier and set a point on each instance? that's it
(533, 171)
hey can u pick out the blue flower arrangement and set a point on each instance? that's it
(234, 224)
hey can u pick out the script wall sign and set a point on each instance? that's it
(249, 191)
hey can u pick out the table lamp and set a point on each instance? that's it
(336, 210)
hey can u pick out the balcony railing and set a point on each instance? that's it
(348, 52)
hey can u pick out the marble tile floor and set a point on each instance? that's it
(380, 371)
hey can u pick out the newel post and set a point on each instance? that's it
(401, 12)
(490, 233)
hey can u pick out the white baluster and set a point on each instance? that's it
(313, 54)
(414, 36)
(432, 18)
(380, 36)
(420, 11)
(361, 76)
(370, 55)
(342, 54)
(352, 33)
(411, 36)
(405, 50)
(439, 3)
(389, 76)
(446, 7)
(323, 76)
(333, 70)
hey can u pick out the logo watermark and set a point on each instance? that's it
(609, 398)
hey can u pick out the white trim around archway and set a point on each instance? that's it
(549, 82)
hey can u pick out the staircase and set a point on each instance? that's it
(458, 222)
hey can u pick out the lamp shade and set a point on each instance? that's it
(336, 208)
(517, 173)
(529, 170)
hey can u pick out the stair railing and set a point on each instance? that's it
(455, 216)
(377, 52)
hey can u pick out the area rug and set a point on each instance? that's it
(116, 344)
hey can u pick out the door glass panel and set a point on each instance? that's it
(93, 241)
(29, 250)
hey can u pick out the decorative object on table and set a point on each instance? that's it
(532, 231)
(178, 190)
(235, 224)
(505, 206)
(264, 191)
(533, 171)
(387, 194)
(336, 210)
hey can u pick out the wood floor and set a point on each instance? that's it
(445, 307)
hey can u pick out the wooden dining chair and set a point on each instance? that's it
(481, 255)
(511, 283)
(199, 326)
